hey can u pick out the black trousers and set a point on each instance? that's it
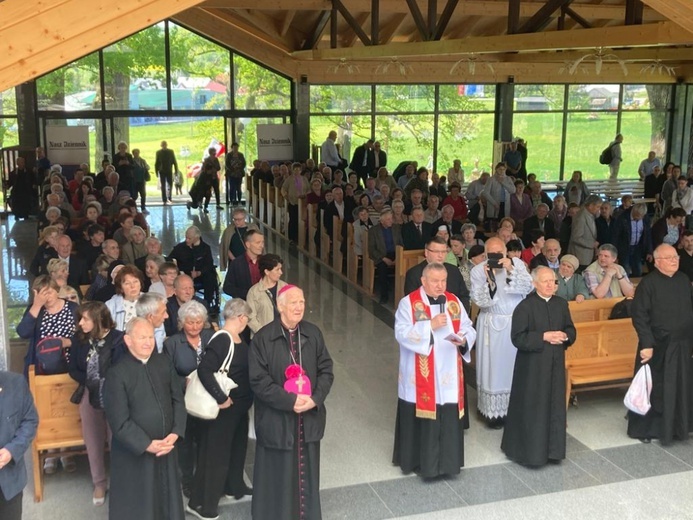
(141, 190)
(382, 273)
(210, 285)
(166, 179)
(215, 186)
(233, 189)
(11, 509)
(293, 222)
(221, 458)
(187, 450)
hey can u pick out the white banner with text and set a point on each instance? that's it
(67, 144)
(275, 142)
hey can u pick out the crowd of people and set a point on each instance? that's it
(132, 330)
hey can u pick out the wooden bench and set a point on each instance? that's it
(592, 310)
(60, 425)
(368, 274)
(603, 356)
(404, 260)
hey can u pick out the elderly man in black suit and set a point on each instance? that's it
(416, 232)
(359, 161)
(382, 240)
(184, 292)
(435, 251)
(541, 221)
(78, 270)
(244, 271)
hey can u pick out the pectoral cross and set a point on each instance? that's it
(299, 383)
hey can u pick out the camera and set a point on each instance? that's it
(494, 260)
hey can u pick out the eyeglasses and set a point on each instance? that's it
(668, 258)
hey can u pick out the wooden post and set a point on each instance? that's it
(312, 208)
(262, 203)
(301, 226)
(352, 259)
(368, 267)
(324, 240)
(271, 201)
(400, 273)
(337, 244)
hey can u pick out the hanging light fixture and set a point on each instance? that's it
(658, 67)
(471, 61)
(344, 67)
(395, 64)
(600, 56)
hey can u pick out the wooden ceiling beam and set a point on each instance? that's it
(657, 34)
(352, 22)
(360, 20)
(436, 72)
(542, 18)
(286, 23)
(678, 11)
(319, 28)
(466, 8)
(240, 22)
(37, 37)
(388, 30)
(221, 32)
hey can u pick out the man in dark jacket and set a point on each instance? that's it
(244, 271)
(632, 236)
(16, 435)
(290, 411)
(165, 165)
(184, 292)
(377, 158)
(194, 258)
(435, 251)
(416, 232)
(359, 161)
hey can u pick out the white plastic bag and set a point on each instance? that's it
(638, 396)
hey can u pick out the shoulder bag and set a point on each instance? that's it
(198, 401)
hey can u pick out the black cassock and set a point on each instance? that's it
(286, 476)
(662, 314)
(144, 401)
(536, 421)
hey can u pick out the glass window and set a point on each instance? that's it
(406, 137)
(340, 98)
(542, 133)
(587, 135)
(200, 72)
(258, 88)
(404, 98)
(464, 98)
(72, 87)
(135, 72)
(352, 131)
(642, 131)
(9, 134)
(532, 98)
(593, 97)
(8, 102)
(467, 137)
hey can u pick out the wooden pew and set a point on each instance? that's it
(368, 276)
(592, 310)
(337, 256)
(603, 356)
(59, 425)
(324, 239)
(312, 228)
(281, 212)
(404, 260)
(262, 202)
(352, 259)
(269, 198)
(301, 228)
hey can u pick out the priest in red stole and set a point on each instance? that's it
(434, 334)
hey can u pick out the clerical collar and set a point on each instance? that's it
(435, 300)
(143, 361)
(544, 297)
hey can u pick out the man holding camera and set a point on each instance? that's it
(499, 284)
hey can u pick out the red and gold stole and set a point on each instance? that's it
(425, 365)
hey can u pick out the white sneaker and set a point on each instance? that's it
(195, 513)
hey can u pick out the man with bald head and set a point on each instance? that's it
(290, 375)
(143, 402)
(184, 291)
(499, 284)
(542, 330)
(662, 313)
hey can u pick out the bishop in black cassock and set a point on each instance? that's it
(662, 314)
(289, 418)
(144, 406)
(541, 331)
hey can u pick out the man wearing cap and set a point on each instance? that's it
(434, 334)
(542, 329)
(291, 376)
(571, 287)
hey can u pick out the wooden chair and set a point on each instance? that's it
(60, 425)
(368, 277)
(404, 260)
(603, 356)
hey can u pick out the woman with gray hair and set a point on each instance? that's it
(223, 443)
(185, 349)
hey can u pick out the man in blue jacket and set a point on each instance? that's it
(17, 430)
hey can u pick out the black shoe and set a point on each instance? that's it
(645, 440)
(245, 490)
(187, 490)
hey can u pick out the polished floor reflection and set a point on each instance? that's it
(605, 476)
